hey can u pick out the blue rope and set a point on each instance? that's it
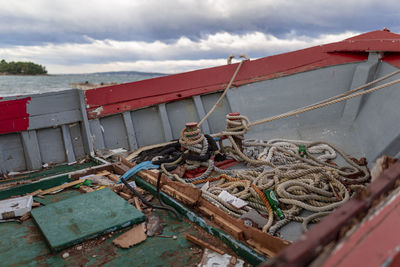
(145, 165)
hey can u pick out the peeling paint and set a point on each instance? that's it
(14, 116)
(97, 111)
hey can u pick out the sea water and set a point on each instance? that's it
(22, 85)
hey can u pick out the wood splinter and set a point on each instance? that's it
(203, 244)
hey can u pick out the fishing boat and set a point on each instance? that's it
(306, 126)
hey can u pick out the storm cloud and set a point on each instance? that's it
(85, 36)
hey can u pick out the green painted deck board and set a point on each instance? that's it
(52, 171)
(83, 217)
(24, 245)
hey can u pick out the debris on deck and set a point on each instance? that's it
(132, 237)
(84, 217)
(213, 259)
(15, 207)
(203, 244)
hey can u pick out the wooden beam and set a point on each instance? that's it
(203, 244)
(182, 192)
(263, 241)
(63, 186)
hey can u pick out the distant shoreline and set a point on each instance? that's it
(8, 74)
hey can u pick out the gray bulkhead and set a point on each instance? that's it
(60, 131)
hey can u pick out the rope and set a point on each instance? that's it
(226, 89)
(240, 182)
(303, 183)
(322, 104)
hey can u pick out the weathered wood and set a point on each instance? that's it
(228, 223)
(132, 237)
(120, 168)
(34, 193)
(201, 112)
(125, 195)
(85, 189)
(54, 119)
(31, 150)
(203, 244)
(92, 170)
(69, 149)
(103, 173)
(63, 186)
(113, 177)
(165, 122)
(130, 131)
(231, 224)
(97, 134)
(225, 224)
(127, 162)
(184, 193)
(137, 203)
(144, 148)
(86, 134)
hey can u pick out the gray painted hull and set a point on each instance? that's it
(367, 126)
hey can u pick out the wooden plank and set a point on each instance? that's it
(31, 150)
(230, 224)
(69, 149)
(165, 122)
(86, 134)
(182, 192)
(3, 169)
(103, 173)
(34, 193)
(120, 168)
(63, 186)
(53, 102)
(113, 177)
(225, 224)
(137, 203)
(203, 244)
(127, 162)
(132, 237)
(54, 119)
(201, 112)
(144, 148)
(130, 131)
(97, 134)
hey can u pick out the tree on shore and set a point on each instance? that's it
(24, 68)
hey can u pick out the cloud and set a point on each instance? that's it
(40, 21)
(71, 35)
(158, 56)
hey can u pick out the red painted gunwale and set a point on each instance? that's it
(119, 98)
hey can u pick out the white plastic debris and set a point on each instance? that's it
(231, 199)
(65, 255)
(214, 259)
(132, 184)
(15, 207)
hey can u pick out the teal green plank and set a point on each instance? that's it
(24, 245)
(52, 171)
(83, 217)
(29, 188)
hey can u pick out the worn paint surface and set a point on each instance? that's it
(361, 249)
(13, 115)
(240, 249)
(24, 245)
(84, 217)
(119, 98)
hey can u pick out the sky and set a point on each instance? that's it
(84, 36)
